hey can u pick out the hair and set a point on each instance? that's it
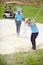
(29, 19)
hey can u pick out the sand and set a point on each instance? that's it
(10, 42)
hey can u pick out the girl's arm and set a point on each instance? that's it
(33, 21)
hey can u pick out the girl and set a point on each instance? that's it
(34, 33)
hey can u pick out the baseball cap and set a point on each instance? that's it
(18, 10)
(28, 20)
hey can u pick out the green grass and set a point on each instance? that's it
(29, 11)
(23, 58)
(1, 11)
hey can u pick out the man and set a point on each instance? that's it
(18, 18)
(34, 33)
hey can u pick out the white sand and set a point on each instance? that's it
(9, 42)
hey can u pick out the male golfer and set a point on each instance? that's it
(18, 18)
(34, 33)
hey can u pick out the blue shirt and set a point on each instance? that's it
(34, 28)
(19, 17)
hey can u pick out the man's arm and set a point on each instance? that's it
(23, 19)
(15, 17)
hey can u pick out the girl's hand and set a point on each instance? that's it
(33, 21)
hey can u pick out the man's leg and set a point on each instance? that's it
(19, 26)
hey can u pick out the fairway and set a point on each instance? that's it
(29, 11)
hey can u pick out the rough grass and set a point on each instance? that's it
(23, 58)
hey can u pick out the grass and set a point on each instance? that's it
(23, 58)
(29, 11)
(1, 11)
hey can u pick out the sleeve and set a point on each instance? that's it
(15, 16)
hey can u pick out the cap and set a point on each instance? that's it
(28, 20)
(18, 10)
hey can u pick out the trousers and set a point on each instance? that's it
(18, 26)
(33, 39)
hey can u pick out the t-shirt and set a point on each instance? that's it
(34, 28)
(19, 17)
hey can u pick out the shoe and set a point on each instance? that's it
(34, 48)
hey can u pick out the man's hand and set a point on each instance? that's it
(23, 19)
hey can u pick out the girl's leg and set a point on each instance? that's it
(33, 37)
